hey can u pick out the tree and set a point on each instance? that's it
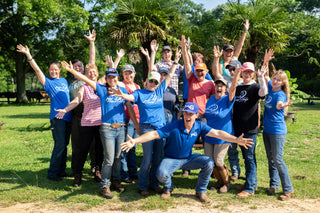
(35, 23)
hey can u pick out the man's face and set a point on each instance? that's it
(189, 119)
(166, 55)
(201, 74)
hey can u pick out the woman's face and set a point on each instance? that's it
(152, 85)
(112, 80)
(92, 74)
(247, 76)
(201, 74)
(54, 71)
(276, 82)
(163, 76)
(128, 76)
(220, 89)
(227, 54)
(167, 54)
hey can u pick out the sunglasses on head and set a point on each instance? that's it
(154, 81)
(111, 72)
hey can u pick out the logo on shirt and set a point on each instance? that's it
(194, 134)
(214, 109)
(153, 99)
(63, 88)
(268, 101)
(114, 99)
(242, 97)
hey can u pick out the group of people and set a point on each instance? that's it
(101, 114)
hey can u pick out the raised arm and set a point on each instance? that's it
(73, 104)
(173, 67)
(262, 81)
(241, 40)
(245, 142)
(34, 65)
(232, 90)
(120, 54)
(154, 48)
(189, 54)
(78, 75)
(145, 52)
(216, 72)
(187, 66)
(92, 50)
(141, 139)
(268, 56)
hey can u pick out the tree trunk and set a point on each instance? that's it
(21, 84)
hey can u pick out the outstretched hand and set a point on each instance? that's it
(92, 36)
(246, 25)
(120, 53)
(268, 56)
(154, 45)
(178, 55)
(22, 49)
(262, 72)
(125, 147)
(61, 113)
(109, 61)
(216, 52)
(66, 66)
(183, 42)
(145, 52)
(116, 92)
(245, 142)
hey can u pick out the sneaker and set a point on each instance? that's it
(116, 185)
(203, 197)
(106, 193)
(166, 195)
(234, 178)
(244, 194)
(286, 196)
(77, 180)
(55, 178)
(271, 191)
(97, 176)
(157, 190)
(144, 193)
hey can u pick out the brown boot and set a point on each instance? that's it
(77, 180)
(166, 195)
(106, 193)
(286, 196)
(224, 178)
(216, 174)
(116, 185)
(203, 197)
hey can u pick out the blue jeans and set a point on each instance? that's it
(128, 159)
(277, 168)
(196, 161)
(61, 130)
(152, 154)
(233, 157)
(250, 163)
(111, 139)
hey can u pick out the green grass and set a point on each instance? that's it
(26, 144)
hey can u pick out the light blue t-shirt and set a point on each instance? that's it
(219, 116)
(58, 91)
(186, 84)
(179, 142)
(150, 105)
(273, 118)
(112, 107)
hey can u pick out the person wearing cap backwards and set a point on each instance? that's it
(245, 120)
(181, 135)
(129, 160)
(150, 103)
(167, 62)
(112, 130)
(219, 116)
(229, 54)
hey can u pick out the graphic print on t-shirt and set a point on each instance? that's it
(63, 87)
(242, 97)
(114, 99)
(214, 109)
(153, 99)
(268, 101)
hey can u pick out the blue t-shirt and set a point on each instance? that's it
(150, 105)
(112, 107)
(273, 118)
(58, 91)
(186, 84)
(179, 142)
(219, 116)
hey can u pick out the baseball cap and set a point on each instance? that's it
(128, 67)
(154, 75)
(247, 66)
(228, 47)
(191, 107)
(200, 66)
(111, 71)
(222, 80)
(163, 69)
(234, 63)
(166, 48)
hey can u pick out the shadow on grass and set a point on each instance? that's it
(29, 115)
(33, 127)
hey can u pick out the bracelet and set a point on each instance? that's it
(175, 63)
(30, 59)
(245, 31)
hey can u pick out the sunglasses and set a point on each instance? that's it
(232, 69)
(153, 81)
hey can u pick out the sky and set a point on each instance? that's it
(210, 4)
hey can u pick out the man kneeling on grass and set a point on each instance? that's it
(181, 135)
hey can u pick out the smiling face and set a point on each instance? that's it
(128, 76)
(152, 85)
(54, 71)
(247, 76)
(221, 90)
(163, 76)
(277, 83)
(189, 119)
(112, 81)
(227, 54)
(166, 55)
(92, 74)
(78, 66)
(201, 74)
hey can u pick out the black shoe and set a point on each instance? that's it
(55, 178)
(128, 180)
(77, 180)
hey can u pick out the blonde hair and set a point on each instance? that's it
(90, 66)
(285, 82)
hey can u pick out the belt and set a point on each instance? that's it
(114, 125)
